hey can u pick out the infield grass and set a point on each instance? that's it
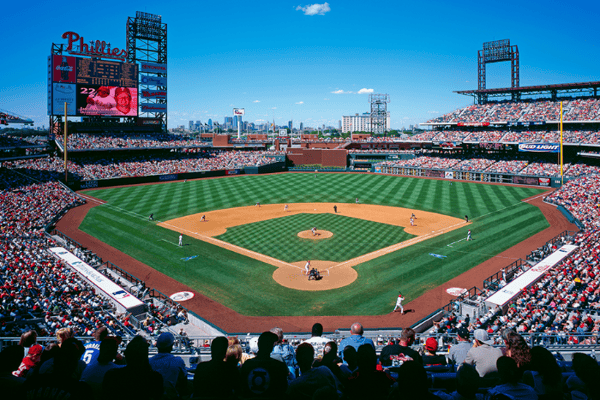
(500, 221)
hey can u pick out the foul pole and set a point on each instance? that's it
(65, 146)
(561, 143)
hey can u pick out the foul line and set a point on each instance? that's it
(450, 245)
(165, 240)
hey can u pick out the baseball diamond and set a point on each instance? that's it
(247, 285)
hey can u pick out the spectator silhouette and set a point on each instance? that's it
(310, 379)
(171, 368)
(216, 378)
(510, 385)
(94, 373)
(412, 382)
(545, 375)
(467, 383)
(136, 380)
(367, 381)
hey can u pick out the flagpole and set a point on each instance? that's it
(561, 144)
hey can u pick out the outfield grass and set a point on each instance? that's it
(279, 239)
(500, 221)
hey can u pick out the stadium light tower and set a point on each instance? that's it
(379, 113)
(497, 51)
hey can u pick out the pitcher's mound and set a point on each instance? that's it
(320, 234)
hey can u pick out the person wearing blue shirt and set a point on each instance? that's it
(356, 339)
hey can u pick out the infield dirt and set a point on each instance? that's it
(336, 274)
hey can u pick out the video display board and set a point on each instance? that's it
(92, 87)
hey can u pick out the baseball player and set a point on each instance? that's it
(151, 217)
(307, 267)
(335, 209)
(399, 303)
(466, 219)
(412, 221)
(257, 204)
(314, 231)
(181, 240)
(469, 235)
(285, 208)
(413, 215)
(203, 219)
(357, 200)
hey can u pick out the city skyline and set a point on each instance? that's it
(313, 62)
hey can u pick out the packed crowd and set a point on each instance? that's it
(582, 198)
(317, 368)
(526, 111)
(92, 168)
(480, 164)
(87, 141)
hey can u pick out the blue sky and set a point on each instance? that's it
(285, 60)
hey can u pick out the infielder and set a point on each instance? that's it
(412, 221)
(203, 219)
(466, 219)
(357, 200)
(469, 235)
(285, 208)
(181, 240)
(399, 303)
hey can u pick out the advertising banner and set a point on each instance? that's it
(110, 101)
(148, 121)
(63, 69)
(152, 107)
(154, 94)
(153, 67)
(153, 80)
(449, 174)
(283, 132)
(544, 181)
(539, 147)
(238, 111)
(61, 93)
(473, 124)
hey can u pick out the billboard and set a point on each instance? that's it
(63, 70)
(153, 107)
(238, 111)
(153, 94)
(539, 147)
(153, 80)
(110, 101)
(153, 67)
(64, 93)
(108, 73)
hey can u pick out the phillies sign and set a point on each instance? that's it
(94, 49)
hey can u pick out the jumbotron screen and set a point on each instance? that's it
(93, 87)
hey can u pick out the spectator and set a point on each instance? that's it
(412, 382)
(92, 349)
(11, 385)
(458, 352)
(94, 373)
(310, 379)
(356, 338)
(216, 378)
(510, 385)
(483, 356)
(27, 340)
(467, 384)
(518, 350)
(31, 360)
(170, 367)
(284, 352)
(317, 340)
(367, 381)
(545, 375)
(395, 354)
(586, 382)
(429, 357)
(263, 376)
(136, 380)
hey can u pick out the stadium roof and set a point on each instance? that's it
(566, 87)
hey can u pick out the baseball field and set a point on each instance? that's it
(251, 258)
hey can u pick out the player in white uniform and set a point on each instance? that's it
(399, 303)
(181, 240)
(307, 267)
(469, 235)
(285, 208)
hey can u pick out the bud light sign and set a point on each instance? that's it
(539, 147)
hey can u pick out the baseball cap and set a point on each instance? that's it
(431, 344)
(463, 333)
(35, 350)
(482, 336)
(165, 340)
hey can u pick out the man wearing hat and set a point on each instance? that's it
(429, 357)
(31, 360)
(458, 352)
(170, 367)
(483, 356)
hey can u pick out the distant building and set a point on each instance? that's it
(340, 124)
(301, 126)
(191, 125)
(290, 125)
(210, 124)
(359, 122)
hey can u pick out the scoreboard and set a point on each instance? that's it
(92, 87)
(108, 73)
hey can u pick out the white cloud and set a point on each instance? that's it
(433, 112)
(365, 90)
(314, 9)
(326, 99)
(300, 102)
(273, 108)
(259, 120)
(340, 91)
(256, 101)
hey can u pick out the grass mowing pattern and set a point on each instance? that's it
(278, 237)
(501, 220)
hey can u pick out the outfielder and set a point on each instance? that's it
(469, 235)
(399, 303)
(181, 240)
